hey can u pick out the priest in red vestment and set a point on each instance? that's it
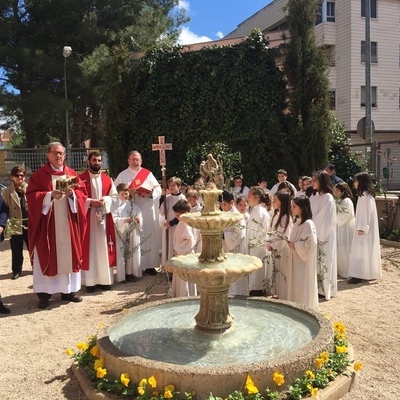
(99, 252)
(57, 221)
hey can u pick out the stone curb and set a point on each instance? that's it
(334, 391)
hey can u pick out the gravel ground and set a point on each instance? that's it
(34, 364)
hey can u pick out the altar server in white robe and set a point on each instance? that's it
(282, 224)
(184, 241)
(323, 210)
(169, 222)
(303, 287)
(256, 238)
(365, 256)
(345, 223)
(136, 176)
(233, 237)
(128, 222)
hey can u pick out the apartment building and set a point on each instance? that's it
(341, 29)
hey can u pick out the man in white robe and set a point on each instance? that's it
(99, 247)
(137, 177)
(56, 201)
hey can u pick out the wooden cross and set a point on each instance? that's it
(161, 147)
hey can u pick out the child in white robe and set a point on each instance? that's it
(233, 237)
(323, 210)
(281, 223)
(303, 287)
(365, 256)
(169, 222)
(256, 237)
(184, 241)
(345, 226)
(193, 197)
(128, 223)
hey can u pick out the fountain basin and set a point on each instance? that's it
(161, 347)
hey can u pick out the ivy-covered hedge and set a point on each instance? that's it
(233, 95)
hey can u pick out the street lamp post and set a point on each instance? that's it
(67, 51)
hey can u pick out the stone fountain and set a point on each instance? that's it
(215, 352)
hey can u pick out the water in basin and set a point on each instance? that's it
(262, 331)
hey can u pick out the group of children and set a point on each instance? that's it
(305, 242)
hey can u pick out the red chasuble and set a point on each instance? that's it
(106, 185)
(41, 228)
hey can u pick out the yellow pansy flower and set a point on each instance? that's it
(69, 352)
(309, 387)
(314, 393)
(325, 356)
(152, 382)
(143, 382)
(249, 386)
(140, 390)
(339, 328)
(319, 362)
(341, 349)
(99, 363)
(357, 366)
(310, 374)
(168, 394)
(101, 372)
(171, 388)
(278, 378)
(95, 351)
(82, 346)
(125, 379)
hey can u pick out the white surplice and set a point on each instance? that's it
(184, 241)
(256, 237)
(151, 233)
(323, 210)
(345, 234)
(127, 236)
(365, 256)
(303, 287)
(99, 272)
(280, 255)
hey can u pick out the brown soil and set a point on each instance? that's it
(33, 342)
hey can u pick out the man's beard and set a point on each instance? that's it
(95, 168)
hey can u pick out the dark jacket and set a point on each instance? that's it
(3, 217)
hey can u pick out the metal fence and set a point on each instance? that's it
(387, 162)
(32, 159)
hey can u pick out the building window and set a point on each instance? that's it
(330, 11)
(373, 96)
(373, 8)
(332, 99)
(374, 52)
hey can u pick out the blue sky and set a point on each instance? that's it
(213, 19)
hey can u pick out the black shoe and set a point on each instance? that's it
(16, 276)
(151, 271)
(354, 281)
(90, 289)
(4, 309)
(321, 296)
(71, 297)
(131, 278)
(43, 303)
(257, 293)
(104, 287)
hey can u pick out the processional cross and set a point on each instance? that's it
(161, 146)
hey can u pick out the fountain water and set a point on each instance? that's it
(217, 353)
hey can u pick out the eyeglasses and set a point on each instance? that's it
(19, 175)
(57, 153)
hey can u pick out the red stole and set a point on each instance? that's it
(139, 178)
(41, 228)
(106, 185)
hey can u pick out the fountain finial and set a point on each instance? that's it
(211, 171)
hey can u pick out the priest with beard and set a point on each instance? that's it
(57, 220)
(99, 252)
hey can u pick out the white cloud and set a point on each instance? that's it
(219, 35)
(188, 37)
(183, 4)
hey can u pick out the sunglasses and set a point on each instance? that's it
(19, 175)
